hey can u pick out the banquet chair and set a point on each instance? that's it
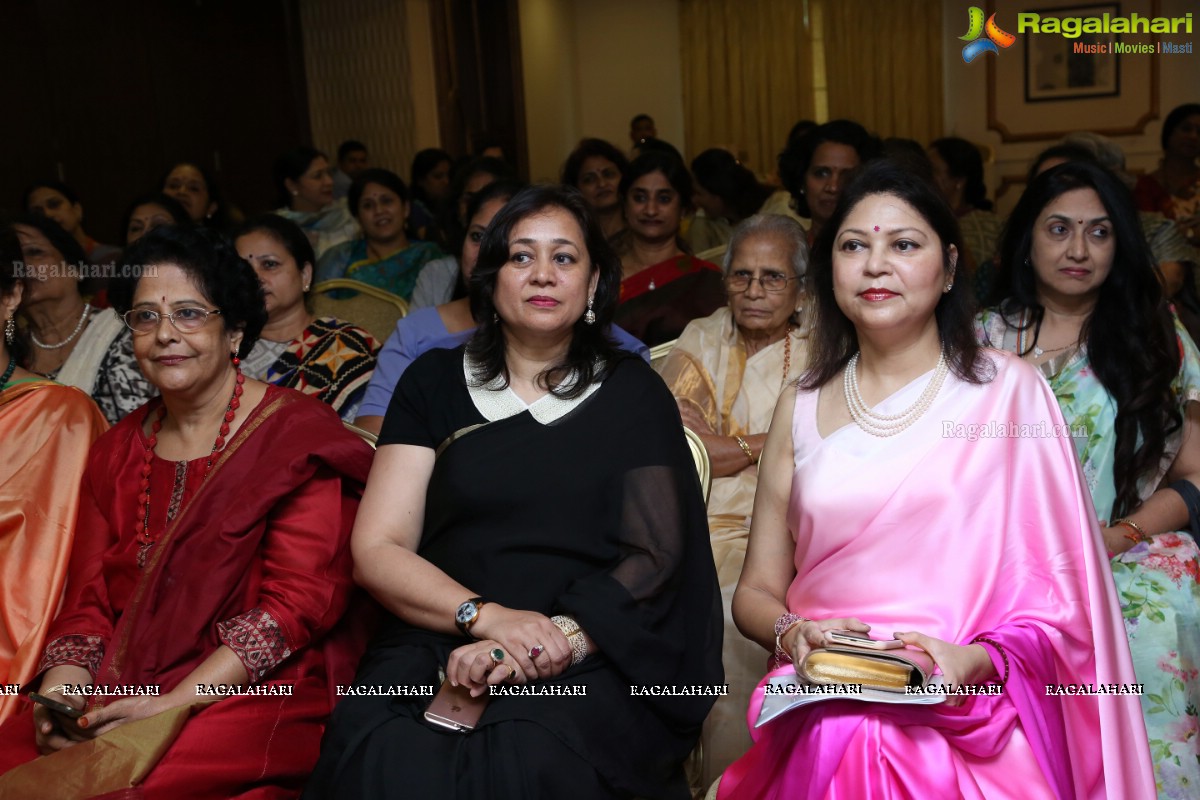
(700, 456)
(365, 305)
(366, 436)
(659, 352)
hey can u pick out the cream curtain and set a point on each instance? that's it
(883, 65)
(747, 76)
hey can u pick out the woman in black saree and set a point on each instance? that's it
(533, 519)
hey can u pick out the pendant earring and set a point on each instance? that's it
(590, 317)
(10, 331)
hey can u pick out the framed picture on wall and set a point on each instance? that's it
(1047, 84)
(1060, 68)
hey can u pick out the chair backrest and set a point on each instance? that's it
(700, 456)
(366, 436)
(659, 352)
(365, 305)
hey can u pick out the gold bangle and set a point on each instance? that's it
(745, 449)
(1138, 534)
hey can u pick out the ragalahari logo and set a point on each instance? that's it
(996, 37)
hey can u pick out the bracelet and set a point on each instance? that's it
(746, 449)
(1138, 534)
(999, 649)
(784, 624)
(61, 689)
(574, 634)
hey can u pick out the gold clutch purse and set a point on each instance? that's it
(886, 670)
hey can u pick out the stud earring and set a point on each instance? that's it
(590, 317)
(949, 286)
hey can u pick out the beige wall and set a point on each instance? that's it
(369, 66)
(589, 67)
(966, 105)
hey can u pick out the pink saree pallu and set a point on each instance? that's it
(916, 532)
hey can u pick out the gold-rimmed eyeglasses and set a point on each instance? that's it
(771, 282)
(185, 320)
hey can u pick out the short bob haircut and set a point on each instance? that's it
(591, 148)
(592, 353)
(720, 173)
(290, 166)
(794, 160)
(1137, 360)
(385, 178)
(834, 337)
(213, 266)
(1175, 119)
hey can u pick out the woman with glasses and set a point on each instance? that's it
(663, 286)
(726, 373)
(595, 167)
(211, 566)
(73, 342)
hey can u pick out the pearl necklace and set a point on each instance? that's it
(884, 425)
(87, 309)
(142, 529)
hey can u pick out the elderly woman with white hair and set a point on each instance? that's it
(726, 373)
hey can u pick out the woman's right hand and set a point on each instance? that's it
(810, 635)
(517, 632)
(54, 732)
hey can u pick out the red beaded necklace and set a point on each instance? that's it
(145, 542)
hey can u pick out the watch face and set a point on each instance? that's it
(466, 612)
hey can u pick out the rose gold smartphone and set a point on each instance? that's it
(455, 709)
(855, 639)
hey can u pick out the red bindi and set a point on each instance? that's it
(877, 229)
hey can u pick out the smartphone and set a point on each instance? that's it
(454, 708)
(56, 706)
(855, 639)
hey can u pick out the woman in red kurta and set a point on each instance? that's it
(199, 564)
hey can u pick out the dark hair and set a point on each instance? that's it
(673, 169)
(834, 337)
(291, 166)
(1068, 152)
(284, 231)
(347, 147)
(652, 145)
(385, 178)
(451, 227)
(720, 173)
(424, 163)
(799, 129)
(591, 148)
(66, 244)
(506, 189)
(794, 160)
(589, 343)
(214, 266)
(219, 221)
(1135, 361)
(641, 118)
(11, 260)
(964, 161)
(1175, 119)
(58, 186)
(167, 203)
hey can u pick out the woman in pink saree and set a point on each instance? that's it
(890, 519)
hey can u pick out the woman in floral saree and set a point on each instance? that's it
(1084, 305)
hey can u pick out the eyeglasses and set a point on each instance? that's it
(594, 177)
(771, 282)
(185, 320)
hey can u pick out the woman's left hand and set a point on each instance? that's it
(100, 721)
(968, 665)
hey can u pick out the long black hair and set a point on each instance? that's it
(834, 338)
(591, 353)
(720, 173)
(1132, 346)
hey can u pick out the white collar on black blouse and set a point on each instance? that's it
(496, 401)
